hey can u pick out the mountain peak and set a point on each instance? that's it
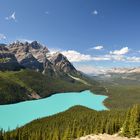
(61, 63)
(58, 57)
(36, 56)
(36, 45)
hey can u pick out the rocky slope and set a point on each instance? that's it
(8, 60)
(61, 63)
(37, 57)
(41, 73)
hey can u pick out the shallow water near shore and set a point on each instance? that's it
(14, 115)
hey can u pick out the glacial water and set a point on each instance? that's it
(14, 115)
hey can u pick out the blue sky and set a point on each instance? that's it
(92, 33)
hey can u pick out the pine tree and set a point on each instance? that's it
(126, 125)
(135, 121)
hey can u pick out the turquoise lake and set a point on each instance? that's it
(14, 115)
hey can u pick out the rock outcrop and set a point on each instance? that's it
(61, 63)
(8, 60)
(36, 56)
(30, 55)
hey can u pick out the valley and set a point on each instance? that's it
(47, 107)
(123, 89)
(30, 80)
(70, 70)
(39, 75)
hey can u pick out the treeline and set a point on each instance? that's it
(76, 122)
(18, 86)
(71, 124)
(131, 127)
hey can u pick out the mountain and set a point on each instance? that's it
(38, 73)
(124, 70)
(30, 55)
(8, 60)
(37, 57)
(121, 70)
(122, 87)
(73, 123)
(61, 63)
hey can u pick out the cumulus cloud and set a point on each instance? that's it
(91, 69)
(75, 56)
(95, 12)
(12, 17)
(115, 57)
(122, 51)
(133, 59)
(2, 36)
(97, 48)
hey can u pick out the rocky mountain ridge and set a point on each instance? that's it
(37, 57)
(124, 70)
(121, 70)
(8, 60)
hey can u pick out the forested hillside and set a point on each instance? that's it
(79, 121)
(71, 124)
(123, 90)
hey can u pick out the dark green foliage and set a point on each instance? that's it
(19, 86)
(68, 125)
(76, 122)
(4, 60)
(131, 126)
(123, 90)
(11, 92)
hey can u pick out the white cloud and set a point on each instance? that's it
(12, 17)
(2, 36)
(133, 59)
(75, 56)
(122, 51)
(89, 69)
(97, 48)
(95, 12)
(115, 57)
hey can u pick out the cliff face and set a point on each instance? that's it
(35, 56)
(8, 60)
(61, 63)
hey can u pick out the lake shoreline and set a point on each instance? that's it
(47, 107)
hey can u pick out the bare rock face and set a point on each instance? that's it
(49, 68)
(30, 55)
(35, 56)
(30, 62)
(62, 64)
(8, 60)
(20, 49)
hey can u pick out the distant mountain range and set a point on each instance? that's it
(124, 70)
(121, 70)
